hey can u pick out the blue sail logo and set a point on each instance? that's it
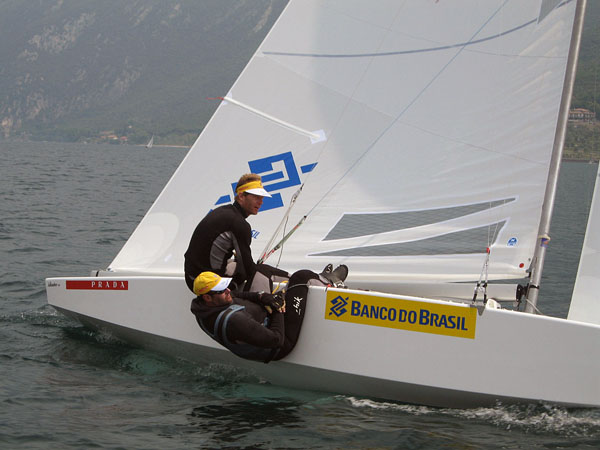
(272, 178)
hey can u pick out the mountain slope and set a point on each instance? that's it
(76, 67)
(586, 92)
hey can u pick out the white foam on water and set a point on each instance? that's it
(527, 417)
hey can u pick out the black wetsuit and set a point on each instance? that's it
(222, 231)
(249, 330)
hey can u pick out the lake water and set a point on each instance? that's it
(68, 208)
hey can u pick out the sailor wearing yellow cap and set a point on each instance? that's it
(252, 325)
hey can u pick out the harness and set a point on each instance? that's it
(243, 350)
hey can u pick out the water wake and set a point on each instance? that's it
(529, 418)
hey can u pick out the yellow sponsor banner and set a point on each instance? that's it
(403, 314)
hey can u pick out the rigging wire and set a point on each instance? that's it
(281, 252)
(482, 283)
(533, 306)
(266, 252)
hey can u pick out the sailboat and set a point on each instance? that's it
(150, 142)
(417, 142)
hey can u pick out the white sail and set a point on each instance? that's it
(585, 303)
(150, 142)
(422, 131)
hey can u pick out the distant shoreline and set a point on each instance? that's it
(587, 157)
(165, 145)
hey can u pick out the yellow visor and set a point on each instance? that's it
(253, 187)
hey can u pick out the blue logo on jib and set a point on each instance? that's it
(278, 172)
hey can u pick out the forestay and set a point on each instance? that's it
(422, 131)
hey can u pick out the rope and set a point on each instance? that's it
(280, 244)
(266, 253)
(482, 286)
(533, 306)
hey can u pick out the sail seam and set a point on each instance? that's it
(409, 52)
(403, 52)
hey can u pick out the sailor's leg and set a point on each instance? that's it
(259, 283)
(264, 278)
(295, 306)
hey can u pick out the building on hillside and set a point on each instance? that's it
(581, 115)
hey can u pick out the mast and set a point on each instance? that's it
(557, 151)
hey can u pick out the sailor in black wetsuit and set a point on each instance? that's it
(257, 325)
(251, 325)
(224, 231)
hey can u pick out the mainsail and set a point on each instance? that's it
(422, 135)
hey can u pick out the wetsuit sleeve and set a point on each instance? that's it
(252, 296)
(243, 238)
(245, 329)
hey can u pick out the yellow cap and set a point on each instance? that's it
(210, 281)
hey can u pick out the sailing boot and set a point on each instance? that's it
(326, 271)
(336, 277)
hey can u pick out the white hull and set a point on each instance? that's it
(512, 357)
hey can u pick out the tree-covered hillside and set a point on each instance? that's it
(586, 92)
(72, 69)
(583, 139)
